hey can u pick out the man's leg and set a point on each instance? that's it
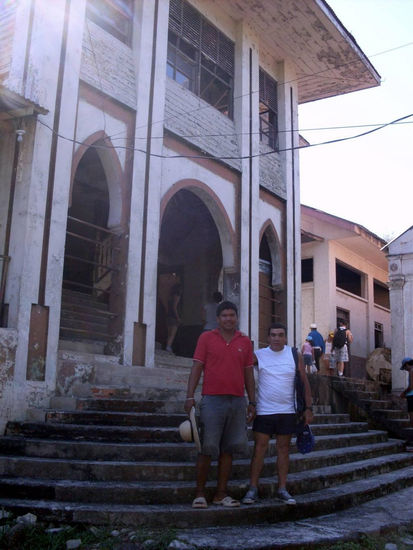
(257, 462)
(202, 468)
(283, 459)
(224, 471)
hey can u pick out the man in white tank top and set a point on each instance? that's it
(276, 408)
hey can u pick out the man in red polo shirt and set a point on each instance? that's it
(224, 355)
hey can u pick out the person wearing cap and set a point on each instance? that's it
(407, 365)
(318, 344)
(225, 358)
(276, 414)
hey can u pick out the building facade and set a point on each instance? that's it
(148, 144)
(344, 278)
(400, 264)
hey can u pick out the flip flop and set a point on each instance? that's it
(199, 502)
(228, 502)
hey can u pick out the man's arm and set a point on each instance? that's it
(193, 381)
(250, 387)
(308, 413)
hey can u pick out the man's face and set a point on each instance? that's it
(228, 319)
(277, 339)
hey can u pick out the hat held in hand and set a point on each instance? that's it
(188, 430)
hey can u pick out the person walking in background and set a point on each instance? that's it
(341, 340)
(210, 311)
(318, 344)
(276, 409)
(308, 354)
(329, 359)
(224, 356)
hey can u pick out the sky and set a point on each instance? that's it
(367, 180)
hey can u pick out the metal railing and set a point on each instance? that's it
(4, 261)
(93, 247)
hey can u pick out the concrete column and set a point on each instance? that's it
(396, 285)
(150, 48)
(288, 124)
(246, 120)
(43, 60)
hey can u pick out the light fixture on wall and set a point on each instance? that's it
(20, 133)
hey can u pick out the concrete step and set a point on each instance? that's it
(127, 433)
(172, 492)
(164, 462)
(373, 404)
(373, 517)
(391, 413)
(162, 420)
(178, 515)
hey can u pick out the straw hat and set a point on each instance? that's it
(188, 430)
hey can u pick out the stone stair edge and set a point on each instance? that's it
(309, 505)
(372, 518)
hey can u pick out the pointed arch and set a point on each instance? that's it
(112, 168)
(217, 210)
(268, 230)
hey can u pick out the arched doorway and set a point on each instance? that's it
(89, 255)
(190, 254)
(271, 291)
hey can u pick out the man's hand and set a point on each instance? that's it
(308, 416)
(189, 403)
(251, 412)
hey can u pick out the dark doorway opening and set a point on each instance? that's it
(190, 254)
(89, 255)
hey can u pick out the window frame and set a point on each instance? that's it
(124, 12)
(268, 110)
(214, 59)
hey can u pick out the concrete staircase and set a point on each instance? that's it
(84, 317)
(107, 452)
(368, 401)
(121, 462)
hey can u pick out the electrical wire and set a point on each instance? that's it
(213, 157)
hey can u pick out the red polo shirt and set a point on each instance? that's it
(224, 362)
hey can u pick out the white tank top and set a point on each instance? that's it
(276, 374)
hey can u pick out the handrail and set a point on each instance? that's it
(93, 241)
(92, 225)
(5, 260)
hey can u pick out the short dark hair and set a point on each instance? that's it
(226, 305)
(277, 325)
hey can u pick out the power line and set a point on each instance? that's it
(213, 157)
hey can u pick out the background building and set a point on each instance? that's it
(344, 278)
(400, 257)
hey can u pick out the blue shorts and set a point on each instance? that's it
(409, 403)
(223, 425)
(308, 359)
(275, 424)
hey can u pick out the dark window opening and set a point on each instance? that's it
(343, 317)
(307, 270)
(268, 110)
(200, 57)
(381, 295)
(378, 335)
(349, 280)
(115, 16)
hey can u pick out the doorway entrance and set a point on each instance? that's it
(88, 264)
(271, 291)
(190, 255)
